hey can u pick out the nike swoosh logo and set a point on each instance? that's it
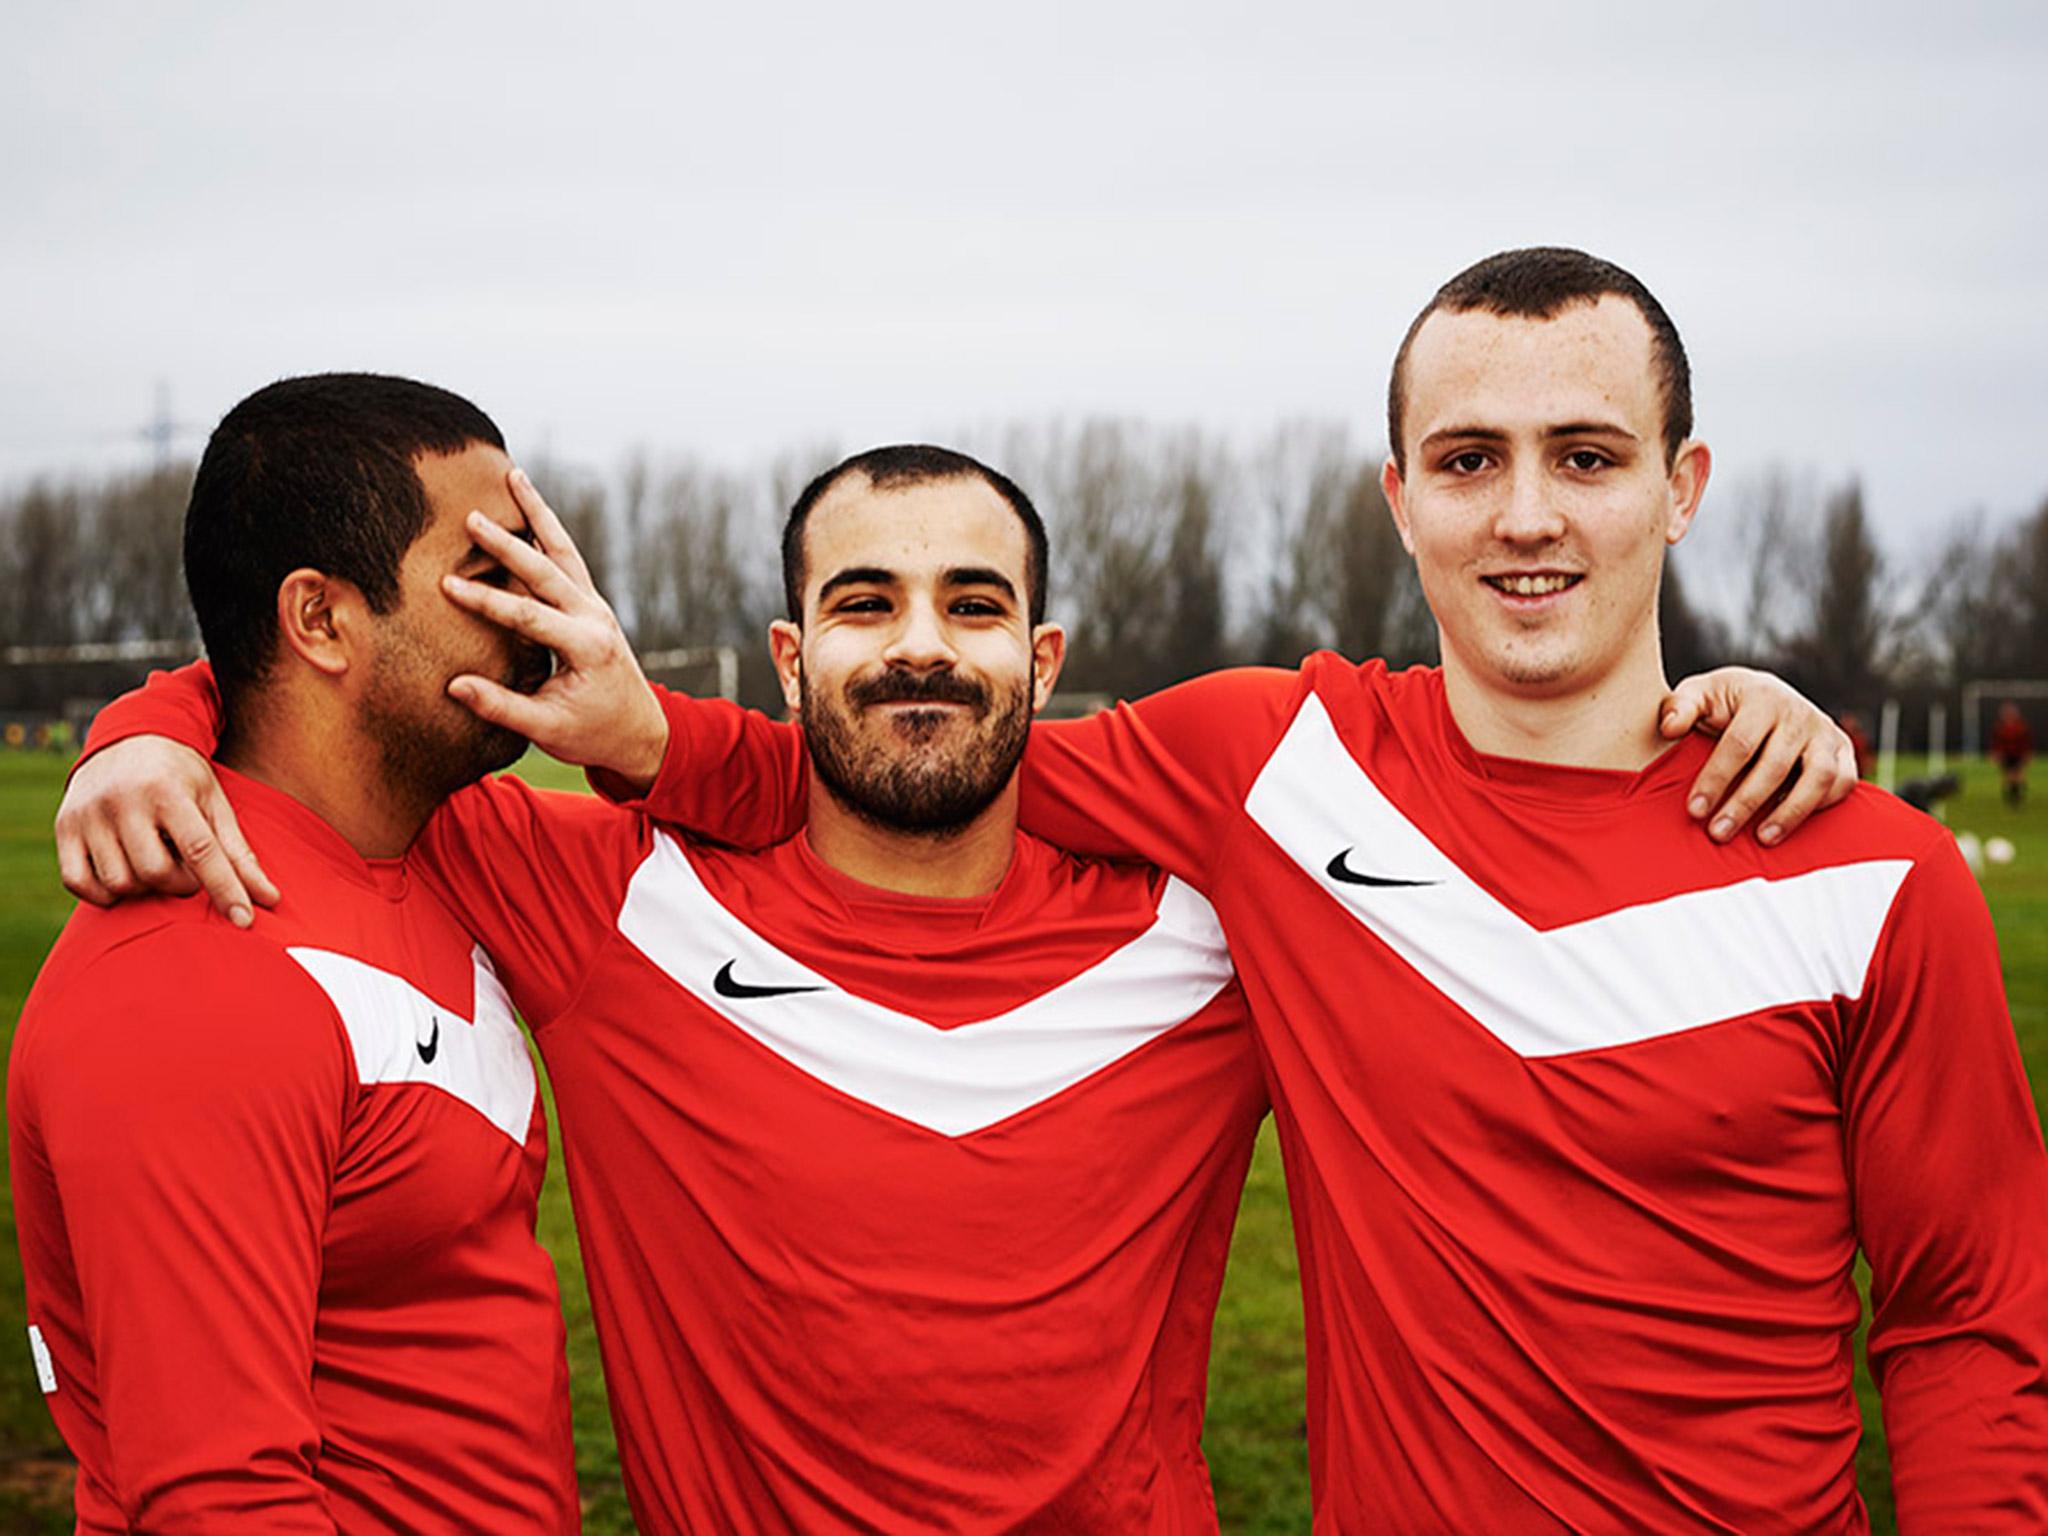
(430, 1047)
(725, 986)
(1339, 870)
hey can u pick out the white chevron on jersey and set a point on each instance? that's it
(953, 1081)
(1631, 974)
(394, 1027)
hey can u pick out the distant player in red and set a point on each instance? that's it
(2012, 748)
(275, 1189)
(1586, 1117)
(905, 1154)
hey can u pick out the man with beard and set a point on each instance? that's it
(905, 1152)
(275, 1189)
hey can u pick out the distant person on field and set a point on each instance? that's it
(1859, 740)
(2012, 746)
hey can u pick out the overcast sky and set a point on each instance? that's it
(730, 229)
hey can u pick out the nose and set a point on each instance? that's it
(921, 641)
(1528, 512)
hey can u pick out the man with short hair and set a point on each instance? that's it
(1586, 1117)
(275, 1190)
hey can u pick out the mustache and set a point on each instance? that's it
(897, 687)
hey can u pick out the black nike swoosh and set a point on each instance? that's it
(725, 986)
(430, 1047)
(1339, 870)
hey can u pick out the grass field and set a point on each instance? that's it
(1255, 1439)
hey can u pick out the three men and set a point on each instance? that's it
(1373, 1068)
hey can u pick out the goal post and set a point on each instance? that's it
(705, 671)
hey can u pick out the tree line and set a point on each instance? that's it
(1174, 551)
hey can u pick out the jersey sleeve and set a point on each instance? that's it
(1950, 1184)
(182, 704)
(1158, 779)
(730, 775)
(537, 877)
(189, 1133)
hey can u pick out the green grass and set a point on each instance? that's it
(1255, 1440)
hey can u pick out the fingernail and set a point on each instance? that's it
(1724, 828)
(240, 916)
(1769, 834)
(1697, 805)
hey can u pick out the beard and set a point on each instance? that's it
(428, 745)
(898, 774)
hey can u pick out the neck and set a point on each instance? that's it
(965, 862)
(1606, 722)
(334, 771)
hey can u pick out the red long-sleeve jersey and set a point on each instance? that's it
(275, 1194)
(899, 1215)
(1585, 1116)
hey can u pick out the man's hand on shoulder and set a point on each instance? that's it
(1773, 739)
(597, 710)
(146, 816)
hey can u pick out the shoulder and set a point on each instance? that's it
(141, 996)
(1870, 824)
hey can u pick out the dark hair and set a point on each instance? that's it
(1537, 284)
(316, 472)
(906, 464)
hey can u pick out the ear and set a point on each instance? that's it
(785, 649)
(1391, 485)
(1689, 472)
(319, 619)
(1048, 655)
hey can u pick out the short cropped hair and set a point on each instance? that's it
(315, 472)
(1538, 283)
(906, 464)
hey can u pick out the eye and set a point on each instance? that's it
(1470, 462)
(863, 602)
(494, 576)
(1587, 460)
(978, 608)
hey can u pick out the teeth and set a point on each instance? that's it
(1531, 586)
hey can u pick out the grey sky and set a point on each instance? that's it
(727, 230)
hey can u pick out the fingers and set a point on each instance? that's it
(206, 860)
(255, 879)
(1773, 766)
(501, 705)
(541, 574)
(1730, 756)
(74, 863)
(1683, 708)
(548, 529)
(523, 615)
(1827, 773)
(109, 863)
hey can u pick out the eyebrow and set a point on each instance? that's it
(980, 576)
(1478, 434)
(955, 576)
(857, 576)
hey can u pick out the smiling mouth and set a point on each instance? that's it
(1542, 584)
